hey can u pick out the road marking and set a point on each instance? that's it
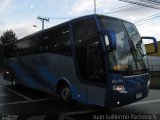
(21, 102)
(37, 117)
(13, 91)
(64, 116)
(17, 93)
(146, 102)
(79, 112)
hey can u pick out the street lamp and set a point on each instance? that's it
(36, 26)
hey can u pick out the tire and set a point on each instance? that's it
(66, 93)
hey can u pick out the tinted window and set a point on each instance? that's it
(54, 40)
(122, 58)
(20, 49)
(24, 47)
(44, 42)
(88, 50)
(60, 41)
(125, 59)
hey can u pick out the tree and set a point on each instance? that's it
(7, 41)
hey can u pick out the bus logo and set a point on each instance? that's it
(40, 61)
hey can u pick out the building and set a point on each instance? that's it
(154, 59)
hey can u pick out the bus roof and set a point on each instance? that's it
(56, 26)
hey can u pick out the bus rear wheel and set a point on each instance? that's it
(66, 93)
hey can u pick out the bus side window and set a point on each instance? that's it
(34, 48)
(60, 41)
(43, 43)
(25, 47)
(18, 49)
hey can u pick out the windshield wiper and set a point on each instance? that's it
(134, 52)
(138, 45)
(138, 57)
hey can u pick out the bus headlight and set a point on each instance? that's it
(118, 87)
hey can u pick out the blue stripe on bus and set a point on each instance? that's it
(40, 78)
(25, 77)
(46, 74)
(22, 76)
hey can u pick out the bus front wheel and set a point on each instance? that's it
(66, 93)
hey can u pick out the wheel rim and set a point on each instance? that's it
(66, 93)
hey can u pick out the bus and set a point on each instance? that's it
(95, 59)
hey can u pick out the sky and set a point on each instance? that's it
(21, 15)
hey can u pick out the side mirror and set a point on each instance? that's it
(151, 46)
(110, 39)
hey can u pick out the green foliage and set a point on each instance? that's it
(8, 37)
(7, 43)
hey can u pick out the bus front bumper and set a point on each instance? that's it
(119, 98)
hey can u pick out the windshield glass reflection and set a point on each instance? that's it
(127, 56)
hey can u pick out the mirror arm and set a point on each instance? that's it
(155, 43)
(112, 40)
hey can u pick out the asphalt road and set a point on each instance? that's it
(23, 103)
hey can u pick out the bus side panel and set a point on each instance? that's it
(23, 75)
(96, 95)
(43, 71)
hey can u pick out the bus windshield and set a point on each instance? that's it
(130, 54)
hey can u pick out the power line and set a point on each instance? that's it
(116, 11)
(148, 18)
(141, 4)
(124, 10)
(155, 1)
(61, 17)
(123, 6)
(150, 2)
(144, 21)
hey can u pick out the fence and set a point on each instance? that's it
(155, 75)
(154, 68)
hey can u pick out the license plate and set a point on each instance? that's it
(138, 95)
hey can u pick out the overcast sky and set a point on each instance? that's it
(20, 15)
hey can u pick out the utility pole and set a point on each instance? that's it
(43, 19)
(94, 6)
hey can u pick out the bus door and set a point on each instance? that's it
(96, 82)
(89, 60)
